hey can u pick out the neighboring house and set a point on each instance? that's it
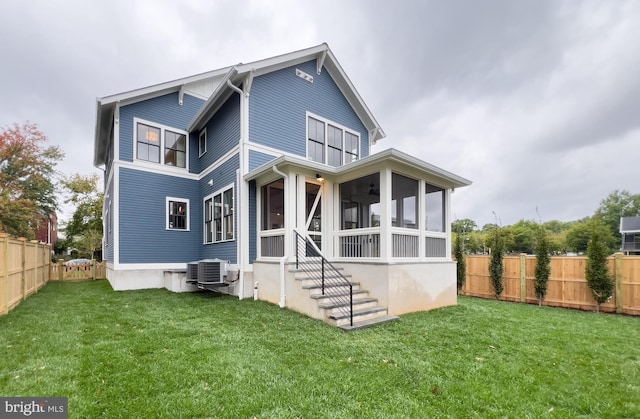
(228, 164)
(47, 230)
(630, 231)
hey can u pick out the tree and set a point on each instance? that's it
(461, 267)
(578, 236)
(543, 265)
(84, 229)
(523, 236)
(497, 243)
(27, 178)
(464, 226)
(618, 204)
(597, 272)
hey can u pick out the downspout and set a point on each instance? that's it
(283, 293)
(238, 197)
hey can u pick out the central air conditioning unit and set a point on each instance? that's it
(192, 273)
(212, 271)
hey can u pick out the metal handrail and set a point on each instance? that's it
(310, 260)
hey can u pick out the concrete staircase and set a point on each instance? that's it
(335, 302)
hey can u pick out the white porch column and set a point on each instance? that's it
(447, 222)
(386, 251)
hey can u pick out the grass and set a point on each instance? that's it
(152, 353)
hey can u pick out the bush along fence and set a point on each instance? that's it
(567, 286)
(25, 267)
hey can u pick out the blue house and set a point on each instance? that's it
(267, 166)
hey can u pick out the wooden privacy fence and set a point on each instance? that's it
(567, 286)
(24, 266)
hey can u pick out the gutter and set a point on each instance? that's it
(283, 294)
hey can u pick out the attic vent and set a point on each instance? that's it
(305, 76)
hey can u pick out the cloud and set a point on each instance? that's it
(536, 102)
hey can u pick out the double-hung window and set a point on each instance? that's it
(218, 220)
(202, 142)
(177, 214)
(158, 144)
(330, 143)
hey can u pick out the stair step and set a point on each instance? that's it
(358, 301)
(319, 286)
(319, 277)
(368, 323)
(356, 313)
(337, 294)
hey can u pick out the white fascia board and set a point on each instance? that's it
(162, 88)
(279, 62)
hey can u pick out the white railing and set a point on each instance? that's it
(361, 245)
(435, 247)
(272, 243)
(405, 245)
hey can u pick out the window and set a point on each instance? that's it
(360, 202)
(273, 205)
(202, 143)
(175, 149)
(404, 201)
(148, 143)
(434, 208)
(331, 144)
(177, 214)
(218, 216)
(151, 139)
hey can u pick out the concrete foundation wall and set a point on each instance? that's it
(407, 287)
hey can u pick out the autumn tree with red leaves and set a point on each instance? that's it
(27, 178)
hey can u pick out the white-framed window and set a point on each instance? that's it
(202, 142)
(177, 217)
(218, 216)
(331, 143)
(160, 144)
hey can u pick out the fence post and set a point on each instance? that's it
(619, 276)
(4, 287)
(93, 269)
(523, 277)
(24, 265)
(61, 271)
(35, 268)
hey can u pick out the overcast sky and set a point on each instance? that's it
(537, 102)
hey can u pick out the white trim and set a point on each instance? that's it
(132, 266)
(163, 129)
(203, 133)
(166, 217)
(344, 129)
(116, 214)
(116, 134)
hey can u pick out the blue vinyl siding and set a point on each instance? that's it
(279, 102)
(223, 132)
(143, 212)
(253, 221)
(223, 176)
(163, 110)
(257, 159)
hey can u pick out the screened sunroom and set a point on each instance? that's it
(388, 207)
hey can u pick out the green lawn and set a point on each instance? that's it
(153, 353)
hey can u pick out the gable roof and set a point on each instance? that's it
(225, 79)
(630, 225)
